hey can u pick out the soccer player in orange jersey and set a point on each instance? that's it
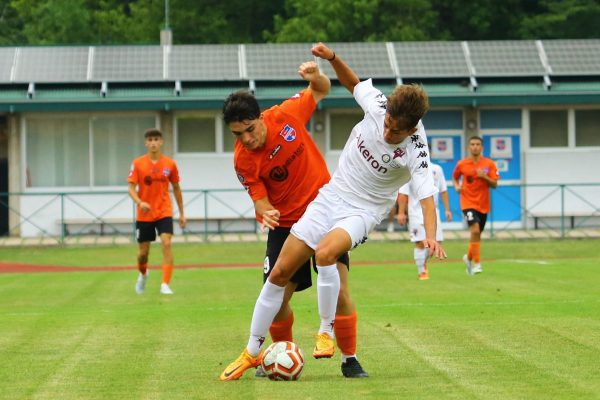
(282, 170)
(151, 174)
(473, 177)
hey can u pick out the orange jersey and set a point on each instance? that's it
(289, 169)
(152, 179)
(475, 191)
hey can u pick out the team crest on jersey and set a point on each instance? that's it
(398, 153)
(241, 178)
(166, 172)
(288, 133)
(296, 96)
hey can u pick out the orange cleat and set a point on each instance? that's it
(324, 348)
(236, 369)
(423, 276)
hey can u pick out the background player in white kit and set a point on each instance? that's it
(382, 153)
(415, 217)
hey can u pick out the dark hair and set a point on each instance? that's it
(408, 104)
(475, 138)
(240, 106)
(152, 132)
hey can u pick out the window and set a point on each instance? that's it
(549, 128)
(196, 135)
(117, 141)
(341, 125)
(83, 150)
(587, 127)
(57, 152)
(500, 119)
(228, 139)
(443, 119)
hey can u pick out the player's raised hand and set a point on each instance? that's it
(309, 71)
(322, 51)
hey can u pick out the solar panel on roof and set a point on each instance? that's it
(430, 60)
(128, 63)
(367, 60)
(573, 57)
(7, 56)
(204, 63)
(506, 58)
(276, 61)
(52, 64)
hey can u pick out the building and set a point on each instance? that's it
(72, 118)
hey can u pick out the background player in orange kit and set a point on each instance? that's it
(477, 175)
(151, 174)
(282, 169)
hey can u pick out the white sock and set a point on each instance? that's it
(328, 289)
(346, 357)
(267, 305)
(421, 256)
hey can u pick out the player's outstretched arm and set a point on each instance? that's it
(344, 73)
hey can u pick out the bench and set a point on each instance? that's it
(101, 223)
(220, 225)
(194, 225)
(571, 216)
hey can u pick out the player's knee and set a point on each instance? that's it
(325, 256)
(143, 258)
(280, 276)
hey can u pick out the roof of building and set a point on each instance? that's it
(201, 76)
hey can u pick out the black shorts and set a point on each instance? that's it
(473, 216)
(302, 277)
(146, 231)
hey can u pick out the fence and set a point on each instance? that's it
(556, 209)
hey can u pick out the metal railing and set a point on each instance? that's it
(556, 208)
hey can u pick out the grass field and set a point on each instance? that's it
(527, 328)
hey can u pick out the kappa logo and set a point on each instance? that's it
(288, 133)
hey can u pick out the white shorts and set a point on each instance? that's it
(417, 230)
(329, 211)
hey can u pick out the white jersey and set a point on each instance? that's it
(371, 171)
(415, 212)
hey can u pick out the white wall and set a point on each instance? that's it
(562, 166)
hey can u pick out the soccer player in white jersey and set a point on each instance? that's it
(406, 198)
(383, 152)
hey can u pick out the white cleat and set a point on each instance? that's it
(165, 289)
(140, 285)
(476, 269)
(469, 265)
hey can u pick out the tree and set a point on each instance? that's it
(478, 19)
(353, 20)
(563, 19)
(54, 21)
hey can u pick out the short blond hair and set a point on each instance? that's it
(408, 104)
